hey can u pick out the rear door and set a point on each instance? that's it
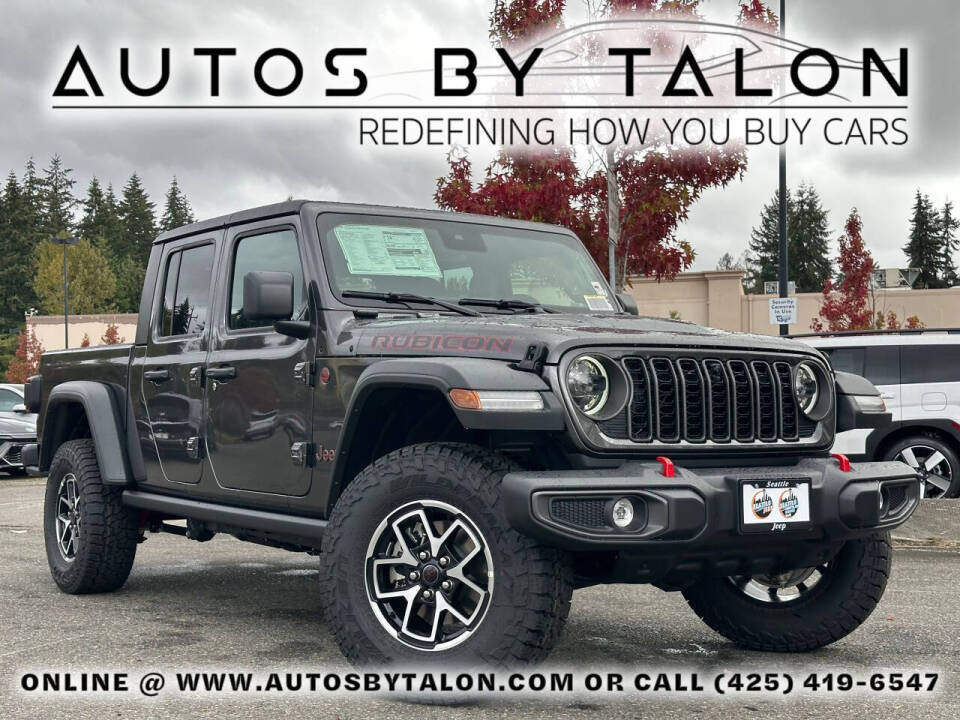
(258, 382)
(931, 382)
(171, 381)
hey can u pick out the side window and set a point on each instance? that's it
(930, 363)
(8, 400)
(846, 359)
(274, 251)
(186, 292)
(881, 365)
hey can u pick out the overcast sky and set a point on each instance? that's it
(228, 161)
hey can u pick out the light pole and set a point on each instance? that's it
(70, 240)
(783, 275)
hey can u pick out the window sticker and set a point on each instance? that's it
(598, 288)
(380, 250)
(598, 302)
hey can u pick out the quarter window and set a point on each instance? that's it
(274, 251)
(186, 292)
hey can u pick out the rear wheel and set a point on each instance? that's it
(90, 536)
(420, 566)
(934, 460)
(800, 609)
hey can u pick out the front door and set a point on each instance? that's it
(177, 351)
(258, 382)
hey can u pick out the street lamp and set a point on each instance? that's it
(70, 240)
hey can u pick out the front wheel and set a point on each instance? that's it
(420, 566)
(798, 610)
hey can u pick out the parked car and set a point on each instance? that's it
(918, 375)
(17, 428)
(466, 423)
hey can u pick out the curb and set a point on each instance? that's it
(935, 524)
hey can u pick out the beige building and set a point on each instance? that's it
(713, 298)
(716, 298)
(49, 328)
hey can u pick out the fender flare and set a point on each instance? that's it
(106, 420)
(443, 374)
(876, 439)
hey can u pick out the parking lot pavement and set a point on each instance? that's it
(227, 605)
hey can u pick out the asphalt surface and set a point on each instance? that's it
(227, 605)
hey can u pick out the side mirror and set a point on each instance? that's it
(629, 303)
(267, 295)
(19, 408)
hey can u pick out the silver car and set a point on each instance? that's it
(17, 428)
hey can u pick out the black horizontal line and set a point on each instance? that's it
(480, 107)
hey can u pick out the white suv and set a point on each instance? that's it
(918, 375)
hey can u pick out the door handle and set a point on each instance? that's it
(888, 396)
(221, 374)
(157, 376)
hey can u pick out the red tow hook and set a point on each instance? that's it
(842, 460)
(667, 466)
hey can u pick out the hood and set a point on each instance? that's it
(508, 336)
(25, 425)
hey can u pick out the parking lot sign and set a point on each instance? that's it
(783, 311)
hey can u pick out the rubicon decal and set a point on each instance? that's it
(451, 343)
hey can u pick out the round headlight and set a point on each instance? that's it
(806, 387)
(588, 384)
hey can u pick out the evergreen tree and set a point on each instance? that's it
(57, 197)
(809, 245)
(137, 223)
(19, 234)
(808, 239)
(924, 247)
(176, 210)
(100, 223)
(949, 244)
(763, 255)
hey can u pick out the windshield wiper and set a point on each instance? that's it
(407, 298)
(506, 304)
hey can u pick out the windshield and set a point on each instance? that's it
(456, 261)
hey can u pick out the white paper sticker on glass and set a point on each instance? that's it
(380, 250)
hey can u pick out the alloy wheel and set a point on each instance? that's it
(936, 475)
(429, 575)
(68, 517)
(783, 587)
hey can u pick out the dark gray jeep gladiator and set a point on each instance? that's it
(465, 423)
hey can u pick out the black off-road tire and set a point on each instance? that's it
(107, 542)
(836, 606)
(532, 587)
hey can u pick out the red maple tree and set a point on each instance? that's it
(657, 184)
(26, 359)
(112, 335)
(845, 304)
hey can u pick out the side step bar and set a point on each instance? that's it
(276, 523)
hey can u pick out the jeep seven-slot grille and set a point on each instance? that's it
(699, 399)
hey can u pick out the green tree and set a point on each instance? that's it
(57, 198)
(20, 220)
(129, 274)
(100, 223)
(176, 209)
(89, 275)
(809, 233)
(808, 241)
(923, 249)
(137, 222)
(763, 255)
(948, 244)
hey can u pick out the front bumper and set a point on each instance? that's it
(697, 513)
(11, 452)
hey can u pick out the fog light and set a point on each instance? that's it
(622, 513)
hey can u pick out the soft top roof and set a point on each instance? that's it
(291, 207)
